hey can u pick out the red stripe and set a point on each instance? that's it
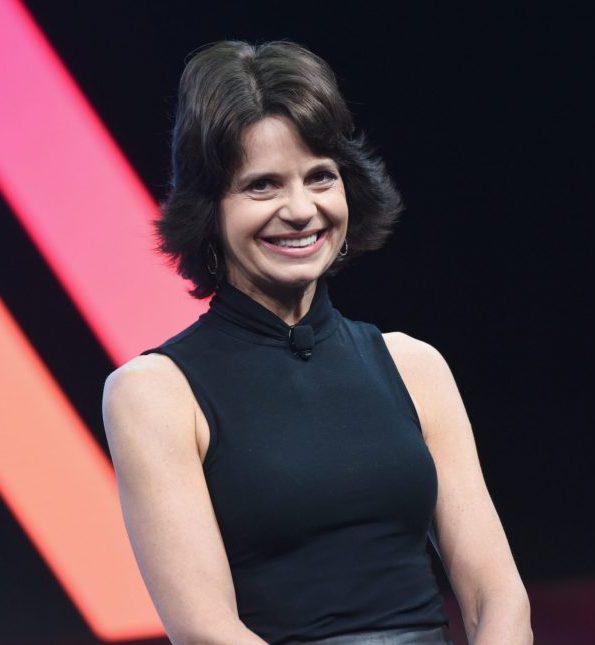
(79, 199)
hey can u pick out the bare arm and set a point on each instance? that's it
(150, 418)
(473, 546)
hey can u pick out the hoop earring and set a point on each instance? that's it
(342, 253)
(210, 268)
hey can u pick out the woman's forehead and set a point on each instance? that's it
(274, 139)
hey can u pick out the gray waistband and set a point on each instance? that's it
(432, 636)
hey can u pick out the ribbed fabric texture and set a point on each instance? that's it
(321, 482)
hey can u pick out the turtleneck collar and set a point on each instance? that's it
(236, 313)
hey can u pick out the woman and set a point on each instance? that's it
(279, 465)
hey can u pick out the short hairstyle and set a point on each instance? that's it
(226, 87)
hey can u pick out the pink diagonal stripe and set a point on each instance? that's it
(79, 199)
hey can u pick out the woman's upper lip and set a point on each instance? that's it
(295, 234)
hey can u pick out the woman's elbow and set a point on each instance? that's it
(524, 615)
(223, 634)
(506, 615)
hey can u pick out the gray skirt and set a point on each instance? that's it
(432, 636)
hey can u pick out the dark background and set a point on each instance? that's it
(483, 118)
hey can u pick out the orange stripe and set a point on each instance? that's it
(62, 489)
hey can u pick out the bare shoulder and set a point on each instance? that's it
(425, 372)
(149, 399)
(420, 363)
(145, 373)
(410, 351)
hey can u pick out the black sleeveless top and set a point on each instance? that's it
(322, 485)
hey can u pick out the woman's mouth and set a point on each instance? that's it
(295, 246)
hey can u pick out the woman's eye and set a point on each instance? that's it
(260, 185)
(324, 176)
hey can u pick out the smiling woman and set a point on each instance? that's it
(280, 465)
(284, 220)
(232, 96)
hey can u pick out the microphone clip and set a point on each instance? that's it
(301, 340)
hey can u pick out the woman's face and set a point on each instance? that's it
(284, 218)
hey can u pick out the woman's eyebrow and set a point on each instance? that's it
(327, 164)
(259, 174)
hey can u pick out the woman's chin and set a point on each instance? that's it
(291, 285)
(300, 275)
(296, 279)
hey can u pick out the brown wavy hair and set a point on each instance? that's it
(226, 87)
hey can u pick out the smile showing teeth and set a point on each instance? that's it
(295, 242)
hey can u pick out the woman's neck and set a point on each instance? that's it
(290, 304)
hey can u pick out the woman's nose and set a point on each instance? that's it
(300, 207)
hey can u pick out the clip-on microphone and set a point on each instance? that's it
(301, 340)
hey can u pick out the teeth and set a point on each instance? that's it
(295, 242)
